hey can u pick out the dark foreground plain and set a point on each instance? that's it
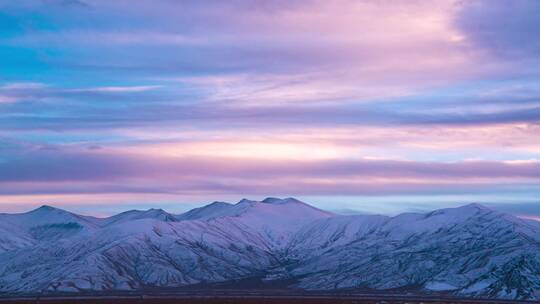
(250, 299)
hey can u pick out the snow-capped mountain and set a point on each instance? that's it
(158, 214)
(43, 223)
(470, 250)
(466, 251)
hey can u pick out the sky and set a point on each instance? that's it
(353, 106)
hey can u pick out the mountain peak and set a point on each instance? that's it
(155, 211)
(152, 213)
(270, 200)
(461, 211)
(46, 208)
(279, 201)
(476, 205)
(245, 201)
(209, 211)
(48, 215)
(218, 203)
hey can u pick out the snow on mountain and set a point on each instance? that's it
(334, 231)
(276, 219)
(212, 210)
(158, 214)
(47, 215)
(47, 223)
(134, 254)
(470, 250)
(12, 237)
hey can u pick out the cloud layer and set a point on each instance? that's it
(156, 102)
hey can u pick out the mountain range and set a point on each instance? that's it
(469, 251)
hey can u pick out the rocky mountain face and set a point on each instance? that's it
(465, 251)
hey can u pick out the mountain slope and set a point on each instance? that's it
(470, 251)
(139, 253)
(12, 237)
(276, 219)
(210, 211)
(158, 214)
(47, 215)
(47, 223)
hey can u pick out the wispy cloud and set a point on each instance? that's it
(8, 99)
(118, 89)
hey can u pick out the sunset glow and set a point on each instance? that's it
(357, 105)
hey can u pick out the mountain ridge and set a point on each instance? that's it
(470, 250)
(267, 200)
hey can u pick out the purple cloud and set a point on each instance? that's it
(507, 28)
(307, 97)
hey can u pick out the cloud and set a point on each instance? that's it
(93, 38)
(118, 89)
(8, 99)
(277, 100)
(22, 86)
(505, 28)
(234, 173)
(327, 97)
(374, 46)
